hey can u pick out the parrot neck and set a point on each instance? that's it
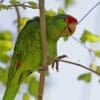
(55, 27)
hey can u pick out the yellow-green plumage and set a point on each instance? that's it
(27, 55)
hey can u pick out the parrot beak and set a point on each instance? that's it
(71, 29)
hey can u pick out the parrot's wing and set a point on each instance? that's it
(22, 48)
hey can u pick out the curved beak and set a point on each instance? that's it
(71, 28)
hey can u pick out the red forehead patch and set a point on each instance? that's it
(71, 19)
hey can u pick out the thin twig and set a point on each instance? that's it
(78, 41)
(88, 12)
(24, 6)
(80, 65)
(89, 49)
(18, 18)
(44, 49)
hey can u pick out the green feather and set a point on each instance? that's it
(27, 55)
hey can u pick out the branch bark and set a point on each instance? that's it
(80, 65)
(23, 6)
(18, 18)
(44, 49)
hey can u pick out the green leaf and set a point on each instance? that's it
(98, 69)
(22, 21)
(5, 35)
(26, 96)
(90, 37)
(33, 86)
(4, 7)
(14, 2)
(85, 77)
(4, 57)
(5, 45)
(68, 2)
(50, 13)
(3, 75)
(32, 4)
(97, 53)
(93, 65)
(61, 11)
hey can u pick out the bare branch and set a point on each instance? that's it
(88, 12)
(90, 50)
(24, 6)
(82, 66)
(78, 41)
(44, 49)
(18, 18)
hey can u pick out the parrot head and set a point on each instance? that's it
(72, 22)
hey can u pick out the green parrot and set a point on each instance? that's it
(27, 55)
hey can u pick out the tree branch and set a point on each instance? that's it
(82, 66)
(90, 50)
(24, 6)
(18, 18)
(78, 41)
(44, 49)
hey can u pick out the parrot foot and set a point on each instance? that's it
(56, 62)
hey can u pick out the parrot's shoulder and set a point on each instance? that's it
(34, 20)
(48, 18)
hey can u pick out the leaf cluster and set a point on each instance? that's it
(14, 3)
(91, 38)
(53, 13)
(6, 46)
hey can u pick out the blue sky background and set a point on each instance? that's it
(63, 85)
